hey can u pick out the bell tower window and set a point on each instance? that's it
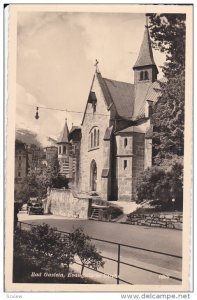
(64, 149)
(146, 75)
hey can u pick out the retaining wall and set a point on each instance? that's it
(67, 203)
(163, 220)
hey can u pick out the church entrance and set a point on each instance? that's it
(93, 175)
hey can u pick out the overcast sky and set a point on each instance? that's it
(56, 52)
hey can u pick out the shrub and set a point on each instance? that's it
(161, 185)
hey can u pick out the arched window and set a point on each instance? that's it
(59, 149)
(91, 145)
(98, 137)
(141, 75)
(146, 75)
(94, 137)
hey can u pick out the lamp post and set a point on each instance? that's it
(173, 201)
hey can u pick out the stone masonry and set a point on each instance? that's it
(65, 203)
(162, 220)
(87, 155)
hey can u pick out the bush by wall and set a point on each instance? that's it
(162, 185)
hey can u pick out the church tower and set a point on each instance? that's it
(64, 149)
(145, 69)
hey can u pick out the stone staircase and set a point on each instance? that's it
(94, 213)
(97, 212)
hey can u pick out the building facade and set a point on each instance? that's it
(116, 142)
(21, 161)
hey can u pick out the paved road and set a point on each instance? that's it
(157, 239)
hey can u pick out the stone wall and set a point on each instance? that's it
(162, 220)
(65, 203)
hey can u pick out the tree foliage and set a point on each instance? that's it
(162, 184)
(168, 35)
(48, 250)
(86, 251)
(36, 182)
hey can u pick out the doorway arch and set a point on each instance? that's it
(93, 175)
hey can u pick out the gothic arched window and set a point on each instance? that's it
(98, 137)
(94, 137)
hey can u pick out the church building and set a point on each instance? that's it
(116, 141)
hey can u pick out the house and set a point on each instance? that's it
(21, 162)
(50, 152)
(116, 142)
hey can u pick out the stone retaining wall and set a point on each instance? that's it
(67, 203)
(163, 220)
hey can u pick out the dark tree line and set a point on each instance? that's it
(164, 180)
(168, 32)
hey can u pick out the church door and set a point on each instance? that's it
(93, 175)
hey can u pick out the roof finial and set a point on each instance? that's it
(96, 65)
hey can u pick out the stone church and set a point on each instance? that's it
(116, 141)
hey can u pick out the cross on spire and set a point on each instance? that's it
(96, 65)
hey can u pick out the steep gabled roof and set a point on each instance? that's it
(63, 138)
(145, 57)
(118, 93)
(122, 94)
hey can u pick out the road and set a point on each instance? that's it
(157, 239)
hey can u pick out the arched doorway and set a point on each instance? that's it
(93, 175)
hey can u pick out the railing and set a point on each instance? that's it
(118, 261)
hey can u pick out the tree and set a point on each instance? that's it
(162, 184)
(36, 182)
(168, 35)
(48, 247)
(45, 249)
(87, 252)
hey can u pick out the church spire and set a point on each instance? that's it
(145, 57)
(64, 134)
(145, 68)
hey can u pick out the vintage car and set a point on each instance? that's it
(36, 209)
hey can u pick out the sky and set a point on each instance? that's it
(56, 53)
